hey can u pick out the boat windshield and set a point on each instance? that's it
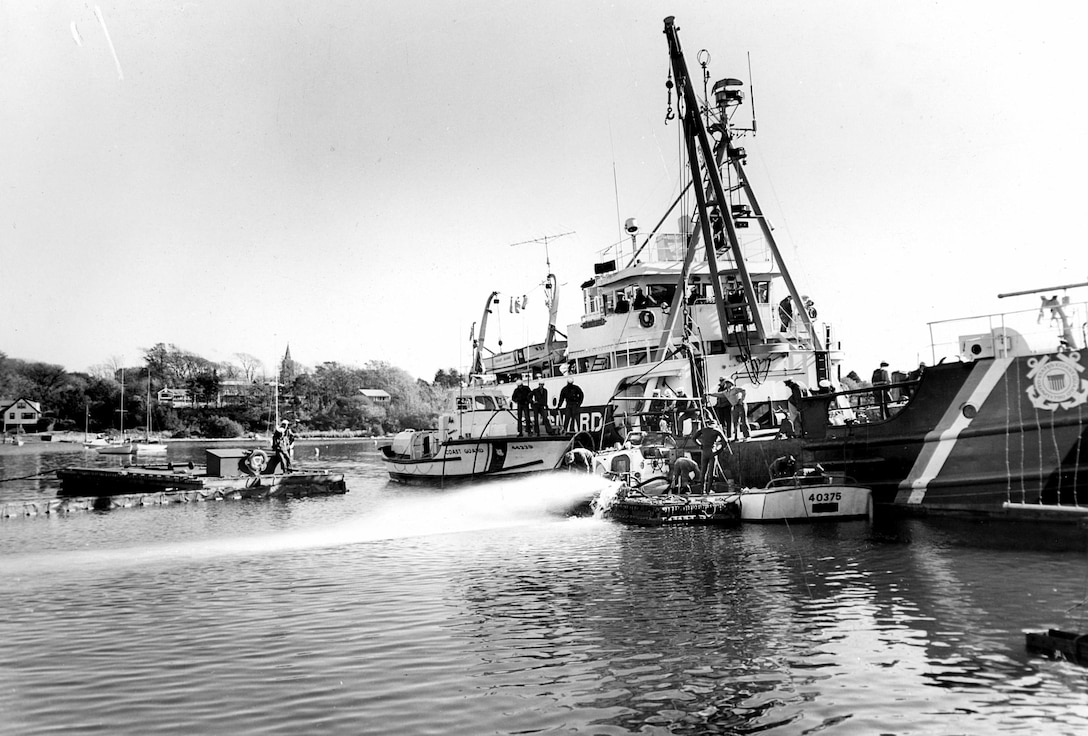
(481, 402)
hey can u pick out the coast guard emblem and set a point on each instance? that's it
(1056, 383)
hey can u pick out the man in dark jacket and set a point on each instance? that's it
(540, 408)
(712, 448)
(523, 399)
(282, 439)
(881, 395)
(683, 474)
(570, 401)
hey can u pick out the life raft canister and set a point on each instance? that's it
(646, 318)
(257, 461)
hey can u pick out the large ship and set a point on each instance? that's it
(668, 313)
(994, 427)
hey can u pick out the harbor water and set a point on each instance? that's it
(490, 609)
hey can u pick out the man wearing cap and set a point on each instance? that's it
(881, 396)
(722, 407)
(523, 399)
(570, 401)
(281, 445)
(540, 408)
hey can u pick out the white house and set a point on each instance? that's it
(375, 395)
(21, 414)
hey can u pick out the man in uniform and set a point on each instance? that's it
(570, 401)
(523, 398)
(881, 378)
(540, 408)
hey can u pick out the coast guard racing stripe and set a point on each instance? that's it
(941, 440)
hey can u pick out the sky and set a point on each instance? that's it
(348, 178)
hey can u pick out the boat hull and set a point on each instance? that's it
(476, 459)
(806, 503)
(131, 448)
(994, 437)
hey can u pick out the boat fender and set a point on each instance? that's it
(646, 318)
(257, 461)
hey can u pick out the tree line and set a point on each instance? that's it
(228, 399)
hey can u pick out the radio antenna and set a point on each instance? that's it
(544, 239)
(752, 93)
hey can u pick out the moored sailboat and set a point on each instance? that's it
(133, 446)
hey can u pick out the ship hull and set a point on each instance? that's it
(993, 437)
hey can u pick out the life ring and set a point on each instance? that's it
(646, 318)
(257, 461)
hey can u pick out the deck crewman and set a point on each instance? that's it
(540, 408)
(683, 474)
(738, 411)
(881, 395)
(712, 445)
(523, 399)
(282, 439)
(570, 401)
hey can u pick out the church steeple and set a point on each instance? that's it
(288, 369)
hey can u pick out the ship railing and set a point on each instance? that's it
(1052, 327)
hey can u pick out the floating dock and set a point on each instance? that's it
(229, 475)
(60, 506)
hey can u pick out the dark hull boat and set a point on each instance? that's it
(1000, 436)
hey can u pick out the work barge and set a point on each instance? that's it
(228, 474)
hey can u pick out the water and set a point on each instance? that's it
(487, 610)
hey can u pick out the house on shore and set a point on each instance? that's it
(375, 396)
(20, 415)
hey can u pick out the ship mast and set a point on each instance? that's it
(713, 206)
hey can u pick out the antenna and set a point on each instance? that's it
(544, 239)
(752, 92)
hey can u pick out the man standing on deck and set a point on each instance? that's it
(540, 408)
(570, 401)
(281, 445)
(523, 399)
(738, 411)
(721, 404)
(712, 444)
(881, 377)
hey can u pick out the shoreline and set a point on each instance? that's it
(34, 443)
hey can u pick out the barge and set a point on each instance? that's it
(227, 474)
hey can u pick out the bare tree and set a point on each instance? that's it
(251, 366)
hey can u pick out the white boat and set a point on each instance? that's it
(714, 297)
(642, 458)
(478, 440)
(805, 497)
